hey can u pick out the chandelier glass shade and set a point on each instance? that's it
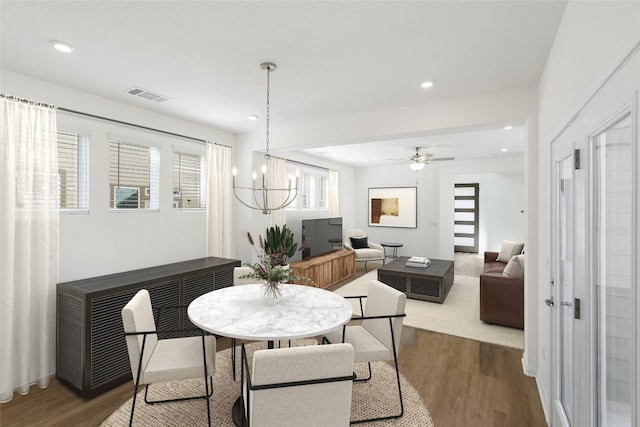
(266, 195)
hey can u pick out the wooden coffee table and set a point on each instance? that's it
(429, 284)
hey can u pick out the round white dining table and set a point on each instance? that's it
(244, 312)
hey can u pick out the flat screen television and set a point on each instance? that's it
(324, 234)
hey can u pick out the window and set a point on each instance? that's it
(73, 171)
(188, 182)
(309, 191)
(323, 192)
(313, 189)
(133, 176)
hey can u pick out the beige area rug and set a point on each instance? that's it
(370, 399)
(459, 315)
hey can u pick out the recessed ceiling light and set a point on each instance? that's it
(62, 46)
(508, 127)
(504, 150)
(427, 84)
(253, 117)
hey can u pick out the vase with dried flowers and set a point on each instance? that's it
(272, 275)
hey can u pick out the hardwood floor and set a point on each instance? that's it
(463, 383)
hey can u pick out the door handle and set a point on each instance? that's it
(566, 304)
(550, 302)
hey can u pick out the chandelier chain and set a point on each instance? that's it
(268, 105)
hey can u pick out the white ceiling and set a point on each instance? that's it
(334, 58)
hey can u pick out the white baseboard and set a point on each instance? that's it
(545, 401)
(532, 371)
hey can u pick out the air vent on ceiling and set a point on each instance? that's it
(136, 91)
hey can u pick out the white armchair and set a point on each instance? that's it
(356, 240)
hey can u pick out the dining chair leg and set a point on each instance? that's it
(133, 404)
(364, 379)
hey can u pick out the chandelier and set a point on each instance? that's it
(260, 196)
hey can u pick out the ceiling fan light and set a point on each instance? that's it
(417, 166)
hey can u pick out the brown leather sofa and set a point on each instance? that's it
(501, 297)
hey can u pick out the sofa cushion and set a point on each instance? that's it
(509, 249)
(515, 267)
(359, 242)
(494, 267)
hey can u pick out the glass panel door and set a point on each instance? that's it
(466, 200)
(612, 278)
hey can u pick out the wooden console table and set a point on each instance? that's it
(328, 269)
(91, 350)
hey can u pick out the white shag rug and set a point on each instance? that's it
(459, 315)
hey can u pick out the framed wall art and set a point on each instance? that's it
(393, 207)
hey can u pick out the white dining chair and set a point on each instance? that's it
(377, 338)
(156, 360)
(298, 386)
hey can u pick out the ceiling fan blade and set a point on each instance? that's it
(398, 160)
(440, 159)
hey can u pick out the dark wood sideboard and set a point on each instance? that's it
(91, 352)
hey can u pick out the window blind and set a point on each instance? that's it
(73, 171)
(133, 176)
(308, 191)
(323, 193)
(187, 181)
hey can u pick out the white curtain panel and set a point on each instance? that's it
(28, 245)
(219, 201)
(334, 194)
(277, 178)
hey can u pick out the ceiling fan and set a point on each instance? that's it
(419, 160)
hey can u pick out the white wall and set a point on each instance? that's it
(501, 206)
(502, 193)
(101, 241)
(592, 39)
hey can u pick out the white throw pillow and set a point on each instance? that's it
(509, 249)
(515, 267)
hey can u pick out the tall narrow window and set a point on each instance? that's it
(73, 171)
(323, 192)
(188, 181)
(309, 191)
(133, 176)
